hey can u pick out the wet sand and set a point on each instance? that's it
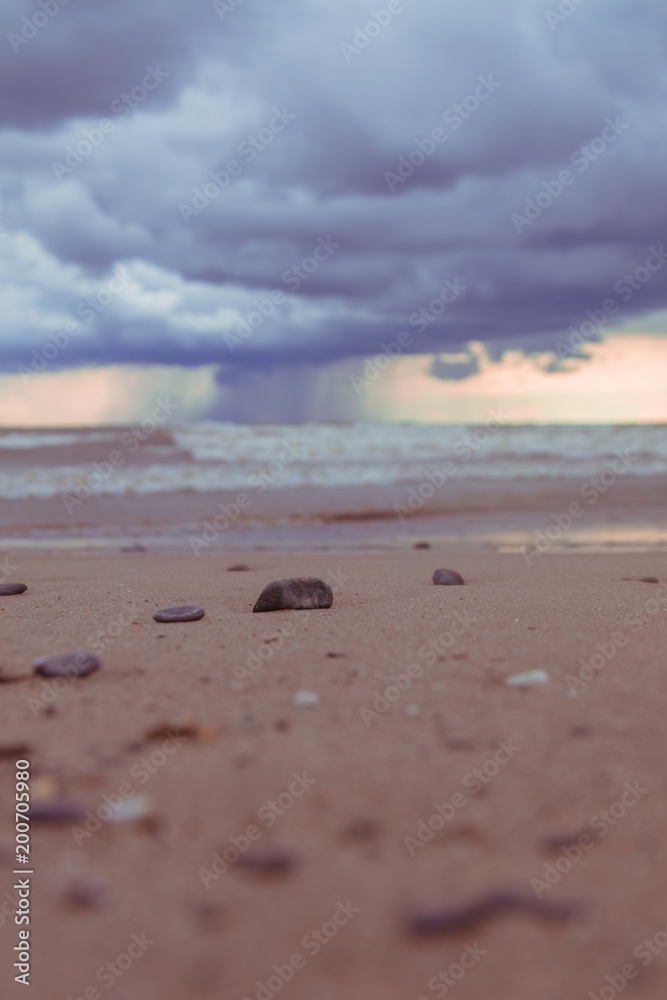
(352, 772)
(479, 513)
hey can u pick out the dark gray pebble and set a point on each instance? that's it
(7, 589)
(448, 577)
(89, 891)
(302, 593)
(67, 665)
(185, 613)
(467, 918)
(17, 751)
(361, 830)
(271, 861)
(238, 568)
(421, 545)
(54, 812)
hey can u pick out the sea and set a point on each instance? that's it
(321, 484)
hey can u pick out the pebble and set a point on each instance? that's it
(467, 918)
(421, 545)
(302, 593)
(17, 751)
(641, 579)
(238, 568)
(361, 830)
(7, 589)
(44, 789)
(527, 679)
(67, 665)
(271, 861)
(134, 808)
(448, 577)
(184, 613)
(54, 812)
(89, 891)
(181, 732)
(306, 698)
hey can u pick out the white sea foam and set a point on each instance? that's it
(227, 456)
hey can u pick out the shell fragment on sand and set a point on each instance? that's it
(183, 613)
(303, 593)
(448, 578)
(67, 665)
(7, 589)
(528, 679)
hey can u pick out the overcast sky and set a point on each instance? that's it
(338, 211)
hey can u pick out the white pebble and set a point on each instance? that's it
(133, 808)
(306, 698)
(525, 680)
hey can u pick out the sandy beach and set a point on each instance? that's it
(262, 816)
(333, 500)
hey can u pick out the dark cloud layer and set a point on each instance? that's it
(316, 131)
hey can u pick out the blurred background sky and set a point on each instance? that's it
(238, 203)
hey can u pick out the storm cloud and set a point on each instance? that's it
(290, 184)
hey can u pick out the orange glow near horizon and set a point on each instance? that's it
(624, 382)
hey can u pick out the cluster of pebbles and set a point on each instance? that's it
(303, 593)
(299, 594)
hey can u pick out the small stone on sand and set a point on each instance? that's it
(469, 917)
(67, 665)
(302, 593)
(529, 678)
(134, 808)
(306, 698)
(271, 861)
(640, 579)
(54, 812)
(184, 613)
(361, 830)
(448, 577)
(238, 568)
(89, 891)
(421, 545)
(15, 750)
(44, 788)
(7, 589)
(178, 732)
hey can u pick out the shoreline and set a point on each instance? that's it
(478, 514)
